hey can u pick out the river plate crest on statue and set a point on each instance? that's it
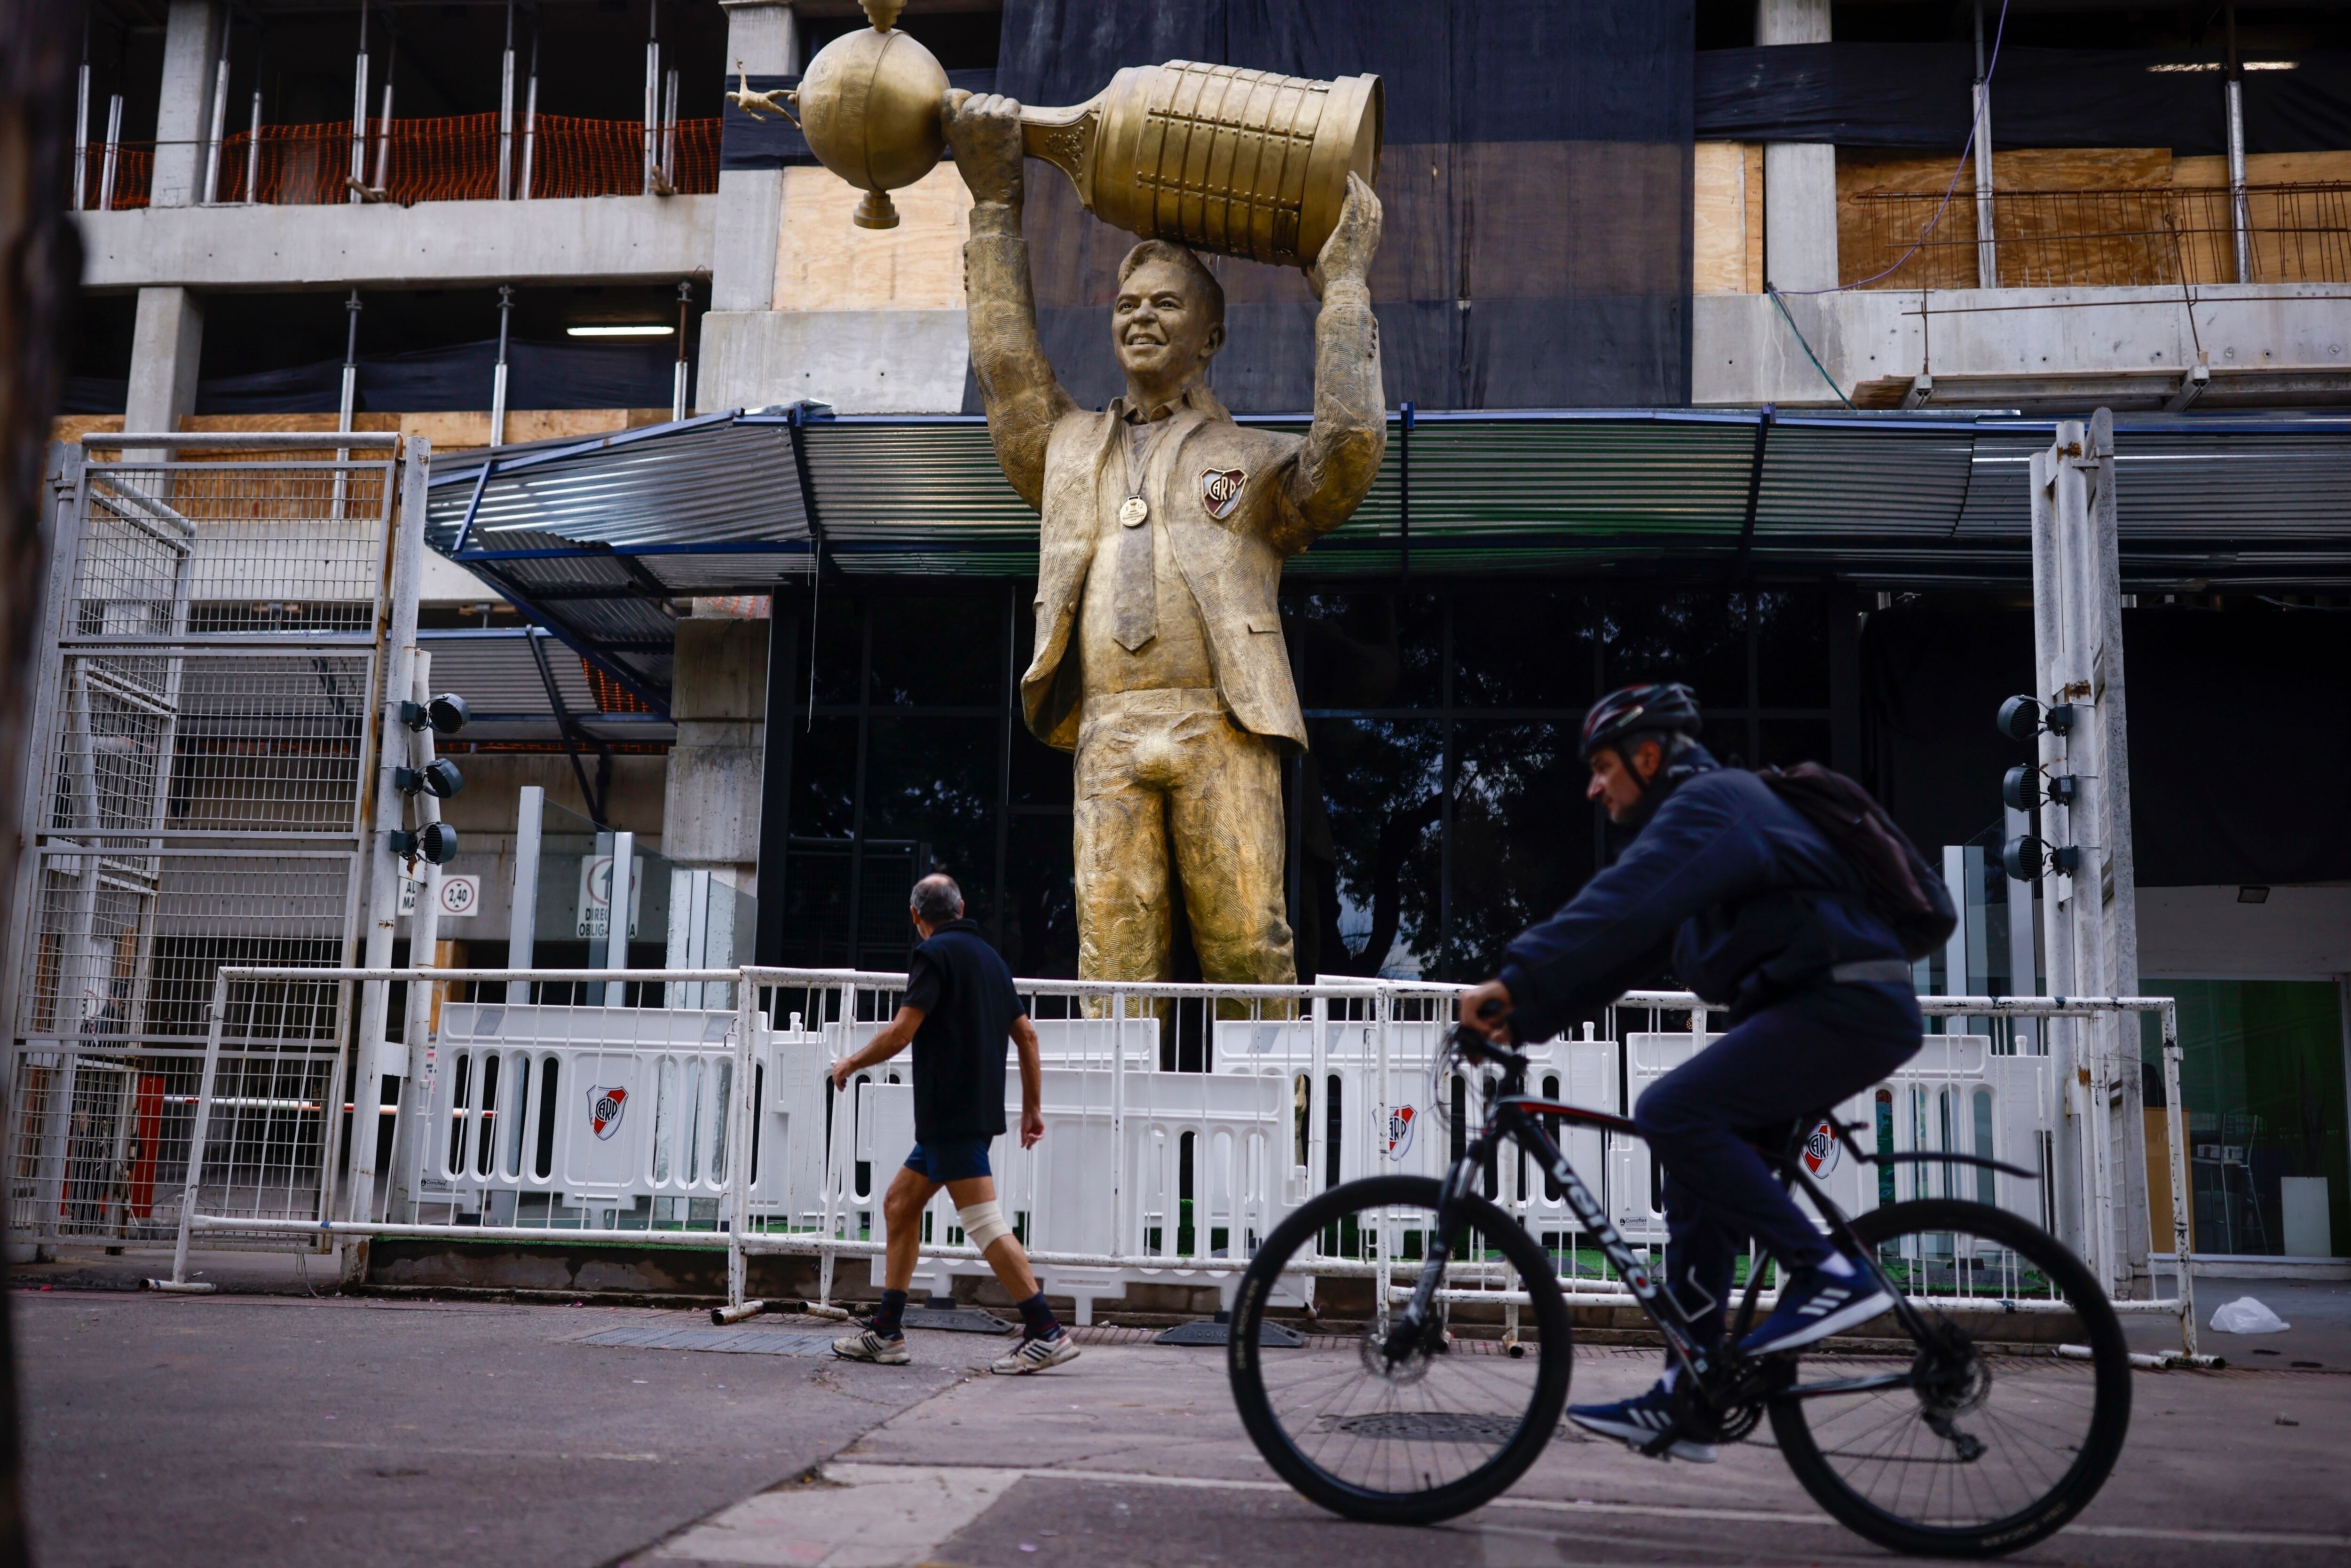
(1159, 657)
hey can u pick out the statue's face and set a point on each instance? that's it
(1161, 327)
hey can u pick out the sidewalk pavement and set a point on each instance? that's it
(222, 1430)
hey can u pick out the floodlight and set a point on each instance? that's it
(438, 778)
(446, 713)
(435, 842)
(2019, 788)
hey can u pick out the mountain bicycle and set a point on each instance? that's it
(1932, 1433)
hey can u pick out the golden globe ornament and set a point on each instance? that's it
(1235, 161)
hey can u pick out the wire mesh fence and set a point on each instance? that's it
(196, 799)
(2107, 238)
(101, 1131)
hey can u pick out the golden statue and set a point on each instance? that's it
(1159, 657)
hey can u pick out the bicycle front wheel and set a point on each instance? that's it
(1993, 1440)
(1431, 1436)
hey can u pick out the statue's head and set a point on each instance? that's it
(1168, 320)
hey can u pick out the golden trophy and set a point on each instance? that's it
(1242, 162)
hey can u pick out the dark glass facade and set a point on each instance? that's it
(1438, 810)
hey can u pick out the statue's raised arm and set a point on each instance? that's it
(1335, 468)
(1016, 383)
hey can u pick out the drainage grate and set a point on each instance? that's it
(1430, 1427)
(741, 1342)
(1218, 1331)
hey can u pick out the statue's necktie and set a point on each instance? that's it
(1133, 593)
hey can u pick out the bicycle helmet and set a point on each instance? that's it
(1653, 708)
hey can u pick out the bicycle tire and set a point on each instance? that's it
(1537, 1425)
(2108, 1383)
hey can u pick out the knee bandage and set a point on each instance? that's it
(983, 1223)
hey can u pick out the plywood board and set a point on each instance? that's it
(1719, 200)
(2061, 217)
(824, 262)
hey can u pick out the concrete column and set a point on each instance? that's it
(165, 345)
(183, 113)
(1800, 231)
(718, 697)
(763, 39)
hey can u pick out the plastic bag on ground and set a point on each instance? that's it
(2246, 1315)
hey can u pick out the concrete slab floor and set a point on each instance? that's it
(238, 1430)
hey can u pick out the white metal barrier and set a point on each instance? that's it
(720, 1128)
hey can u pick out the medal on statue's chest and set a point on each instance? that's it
(1132, 511)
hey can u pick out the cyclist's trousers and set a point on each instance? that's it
(1704, 1119)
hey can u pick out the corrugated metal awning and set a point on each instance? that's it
(594, 537)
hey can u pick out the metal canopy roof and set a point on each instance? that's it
(593, 538)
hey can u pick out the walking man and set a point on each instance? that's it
(958, 1008)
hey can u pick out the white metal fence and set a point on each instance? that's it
(718, 1127)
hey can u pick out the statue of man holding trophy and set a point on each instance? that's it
(1159, 654)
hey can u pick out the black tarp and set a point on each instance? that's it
(455, 379)
(1918, 95)
(1536, 182)
(2240, 734)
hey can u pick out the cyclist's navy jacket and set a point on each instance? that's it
(1727, 879)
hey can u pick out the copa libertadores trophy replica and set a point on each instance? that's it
(1159, 655)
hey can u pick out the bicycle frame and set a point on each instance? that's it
(1516, 1116)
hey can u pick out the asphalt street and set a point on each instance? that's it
(267, 1429)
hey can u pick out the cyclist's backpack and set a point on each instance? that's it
(1903, 890)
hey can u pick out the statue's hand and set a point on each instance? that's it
(984, 133)
(1347, 253)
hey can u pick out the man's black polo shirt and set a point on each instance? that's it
(965, 990)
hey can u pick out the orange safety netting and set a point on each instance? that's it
(134, 175)
(455, 158)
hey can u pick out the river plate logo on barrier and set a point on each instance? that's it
(1822, 1150)
(605, 1107)
(1401, 1122)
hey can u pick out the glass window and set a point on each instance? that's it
(938, 651)
(1372, 864)
(1525, 648)
(839, 659)
(1522, 834)
(1791, 647)
(933, 781)
(1786, 741)
(1039, 924)
(2262, 1082)
(1041, 775)
(1377, 650)
(824, 779)
(1697, 636)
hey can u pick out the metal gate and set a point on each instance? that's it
(198, 794)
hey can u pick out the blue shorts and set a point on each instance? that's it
(951, 1159)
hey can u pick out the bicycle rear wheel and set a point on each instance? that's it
(1989, 1444)
(1432, 1436)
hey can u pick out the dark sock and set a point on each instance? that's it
(1036, 1316)
(889, 1317)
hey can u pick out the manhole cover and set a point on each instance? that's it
(1429, 1427)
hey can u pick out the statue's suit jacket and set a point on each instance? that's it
(1294, 488)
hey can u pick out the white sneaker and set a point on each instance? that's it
(867, 1345)
(1037, 1354)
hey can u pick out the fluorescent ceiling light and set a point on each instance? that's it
(631, 329)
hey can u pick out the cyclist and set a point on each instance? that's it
(1752, 907)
